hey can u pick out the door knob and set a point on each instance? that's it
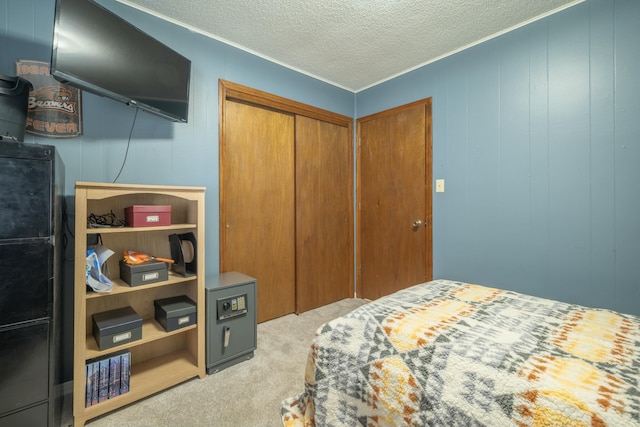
(417, 223)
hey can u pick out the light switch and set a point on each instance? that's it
(439, 185)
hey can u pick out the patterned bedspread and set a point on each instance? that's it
(453, 354)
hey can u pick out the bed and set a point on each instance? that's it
(453, 354)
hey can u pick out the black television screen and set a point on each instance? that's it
(98, 51)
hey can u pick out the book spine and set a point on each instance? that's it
(114, 376)
(103, 393)
(95, 383)
(89, 385)
(125, 372)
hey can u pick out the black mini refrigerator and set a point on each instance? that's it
(231, 320)
(31, 178)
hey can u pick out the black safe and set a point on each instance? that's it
(231, 333)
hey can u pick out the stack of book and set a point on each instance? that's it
(107, 377)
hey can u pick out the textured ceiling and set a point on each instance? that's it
(353, 44)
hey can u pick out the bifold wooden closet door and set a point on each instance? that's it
(257, 236)
(324, 213)
(286, 196)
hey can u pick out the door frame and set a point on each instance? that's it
(427, 102)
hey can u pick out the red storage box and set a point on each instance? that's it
(147, 215)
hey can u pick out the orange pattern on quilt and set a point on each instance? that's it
(310, 369)
(600, 336)
(568, 386)
(476, 293)
(393, 393)
(415, 327)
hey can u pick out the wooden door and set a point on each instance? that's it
(324, 213)
(394, 249)
(257, 196)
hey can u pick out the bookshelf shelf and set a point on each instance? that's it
(159, 359)
(148, 378)
(118, 230)
(151, 331)
(120, 287)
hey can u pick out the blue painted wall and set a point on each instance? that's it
(537, 136)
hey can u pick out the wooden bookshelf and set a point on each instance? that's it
(159, 359)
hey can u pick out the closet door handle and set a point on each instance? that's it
(417, 223)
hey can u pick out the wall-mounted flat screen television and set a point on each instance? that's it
(98, 51)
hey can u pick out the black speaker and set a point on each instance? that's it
(184, 254)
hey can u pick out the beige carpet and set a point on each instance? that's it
(245, 395)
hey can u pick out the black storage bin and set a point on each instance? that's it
(143, 274)
(14, 102)
(116, 327)
(175, 312)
